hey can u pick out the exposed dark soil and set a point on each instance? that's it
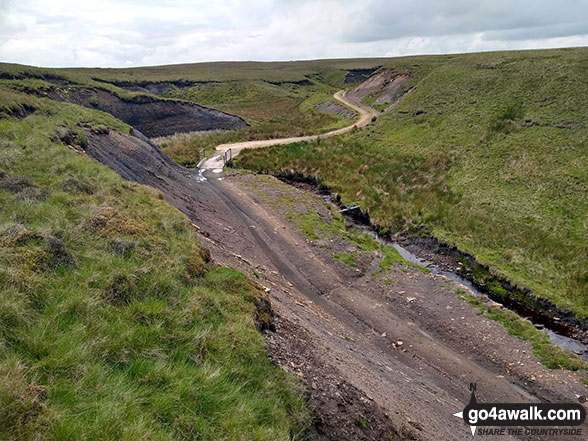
(359, 75)
(343, 412)
(137, 159)
(393, 352)
(152, 87)
(386, 86)
(541, 311)
(20, 111)
(152, 116)
(161, 87)
(449, 258)
(50, 78)
(332, 108)
(304, 82)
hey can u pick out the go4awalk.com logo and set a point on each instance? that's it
(516, 419)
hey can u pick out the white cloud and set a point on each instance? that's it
(125, 33)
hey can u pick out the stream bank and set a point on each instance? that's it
(563, 327)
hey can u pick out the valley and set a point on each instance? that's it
(369, 345)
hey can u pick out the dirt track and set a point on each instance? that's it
(387, 354)
(403, 340)
(365, 117)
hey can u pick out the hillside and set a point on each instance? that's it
(488, 152)
(114, 323)
(261, 100)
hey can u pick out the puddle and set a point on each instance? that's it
(200, 177)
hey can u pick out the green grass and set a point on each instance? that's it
(113, 325)
(488, 152)
(272, 111)
(318, 220)
(346, 258)
(546, 352)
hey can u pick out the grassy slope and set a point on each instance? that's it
(112, 325)
(488, 152)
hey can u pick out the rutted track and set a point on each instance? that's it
(400, 355)
(355, 326)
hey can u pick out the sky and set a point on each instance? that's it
(123, 33)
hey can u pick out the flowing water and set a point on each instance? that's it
(562, 341)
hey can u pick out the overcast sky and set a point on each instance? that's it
(118, 33)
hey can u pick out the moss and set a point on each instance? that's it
(107, 220)
(120, 290)
(195, 266)
(496, 288)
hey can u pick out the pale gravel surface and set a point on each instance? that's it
(365, 117)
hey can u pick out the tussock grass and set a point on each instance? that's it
(113, 323)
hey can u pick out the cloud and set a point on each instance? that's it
(117, 33)
(384, 20)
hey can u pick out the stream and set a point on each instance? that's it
(562, 341)
(557, 339)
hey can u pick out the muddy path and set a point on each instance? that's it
(384, 354)
(402, 339)
(366, 115)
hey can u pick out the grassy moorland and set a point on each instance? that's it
(276, 99)
(488, 152)
(113, 324)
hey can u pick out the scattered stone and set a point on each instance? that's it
(333, 108)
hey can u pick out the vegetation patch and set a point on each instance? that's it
(550, 355)
(320, 221)
(346, 258)
(113, 322)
